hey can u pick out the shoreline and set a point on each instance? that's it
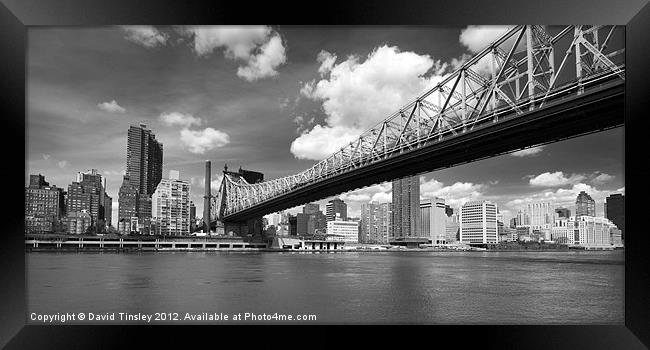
(275, 250)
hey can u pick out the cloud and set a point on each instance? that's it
(241, 43)
(180, 119)
(533, 151)
(326, 60)
(555, 179)
(238, 41)
(263, 64)
(46, 156)
(147, 36)
(358, 94)
(204, 140)
(63, 164)
(455, 195)
(303, 124)
(111, 107)
(477, 38)
(601, 179)
(214, 184)
(380, 193)
(563, 197)
(321, 142)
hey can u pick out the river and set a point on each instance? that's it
(568, 287)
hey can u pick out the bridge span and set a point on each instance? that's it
(509, 96)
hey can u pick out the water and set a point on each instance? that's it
(352, 287)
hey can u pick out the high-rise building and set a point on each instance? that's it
(432, 220)
(336, 209)
(144, 161)
(585, 205)
(108, 210)
(370, 226)
(302, 221)
(406, 208)
(346, 231)
(522, 218)
(513, 222)
(478, 223)
(128, 206)
(449, 211)
(44, 205)
(90, 187)
(615, 211)
(192, 216)
(452, 228)
(541, 215)
(310, 208)
(171, 206)
(591, 231)
(563, 213)
(85, 196)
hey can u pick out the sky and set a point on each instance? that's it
(274, 99)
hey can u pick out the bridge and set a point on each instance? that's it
(533, 85)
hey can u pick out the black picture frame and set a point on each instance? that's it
(17, 15)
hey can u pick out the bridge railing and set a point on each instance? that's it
(515, 74)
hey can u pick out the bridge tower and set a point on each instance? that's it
(252, 226)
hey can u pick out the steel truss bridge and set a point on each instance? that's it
(531, 86)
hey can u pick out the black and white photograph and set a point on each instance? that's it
(465, 176)
(272, 174)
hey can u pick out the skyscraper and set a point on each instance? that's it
(88, 194)
(406, 207)
(336, 209)
(144, 155)
(170, 205)
(585, 205)
(432, 220)
(128, 206)
(478, 223)
(563, 213)
(44, 205)
(541, 215)
(310, 208)
(370, 227)
(615, 211)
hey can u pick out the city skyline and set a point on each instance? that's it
(79, 110)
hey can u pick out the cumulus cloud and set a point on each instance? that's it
(321, 141)
(380, 193)
(303, 123)
(602, 178)
(238, 41)
(179, 119)
(455, 195)
(147, 36)
(563, 197)
(326, 60)
(215, 184)
(200, 141)
(358, 94)
(262, 65)
(261, 48)
(477, 38)
(533, 151)
(554, 179)
(111, 107)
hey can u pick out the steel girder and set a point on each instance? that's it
(514, 74)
